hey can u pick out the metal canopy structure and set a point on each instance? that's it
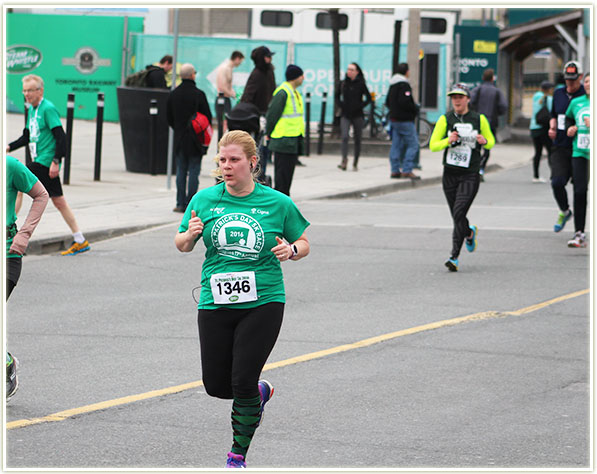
(557, 32)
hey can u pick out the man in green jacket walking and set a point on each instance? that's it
(285, 128)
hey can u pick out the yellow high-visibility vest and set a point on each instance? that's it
(291, 123)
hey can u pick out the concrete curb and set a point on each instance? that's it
(60, 243)
(396, 186)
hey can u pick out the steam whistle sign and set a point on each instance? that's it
(21, 59)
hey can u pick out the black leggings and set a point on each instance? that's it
(13, 273)
(580, 182)
(540, 140)
(357, 127)
(460, 190)
(235, 344)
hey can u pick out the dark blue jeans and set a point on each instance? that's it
(186, 189)
(405, 145)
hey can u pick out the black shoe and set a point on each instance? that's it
(12, 381)
(396, 175)
(410, 175)
(178, 209)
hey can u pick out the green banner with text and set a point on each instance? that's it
(478, 51)
(73, 54)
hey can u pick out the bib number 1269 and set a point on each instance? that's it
(230, 288)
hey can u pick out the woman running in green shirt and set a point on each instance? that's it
(247, 229)
(461, 133)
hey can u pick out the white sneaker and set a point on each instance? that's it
(539, 180)
(579, 240)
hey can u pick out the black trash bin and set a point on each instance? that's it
(135, 126)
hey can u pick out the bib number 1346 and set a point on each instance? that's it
(230, 288)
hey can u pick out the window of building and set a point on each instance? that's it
(277, 18)
(324, 21)
(434, 26)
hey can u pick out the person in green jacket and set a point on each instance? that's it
(578, 125)
(285, 128)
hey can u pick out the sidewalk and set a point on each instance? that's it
(123, 202)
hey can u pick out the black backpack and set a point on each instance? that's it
(139, 79)
(543, 117)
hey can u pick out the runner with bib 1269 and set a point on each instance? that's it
(461, 133)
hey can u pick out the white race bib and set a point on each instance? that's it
(459, 156)
(33, 149)
(236, 287)
(561, 122)
(584, 141)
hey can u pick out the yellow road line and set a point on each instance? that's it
(535, 307)
(63, 415)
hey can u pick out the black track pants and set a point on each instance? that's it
(235, 344)
(580, 180)
(284, 164)
(460, 190)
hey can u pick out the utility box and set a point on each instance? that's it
(136, 128)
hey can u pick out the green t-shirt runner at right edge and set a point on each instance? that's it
(578, 109)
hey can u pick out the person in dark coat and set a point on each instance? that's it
(350, 99)
(488, 100)
(156, 77)
(183, 103)
(402, 111)
(258, 91)
(262, 82)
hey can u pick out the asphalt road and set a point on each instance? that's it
(507, 385)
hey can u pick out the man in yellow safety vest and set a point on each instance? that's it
(285, 128)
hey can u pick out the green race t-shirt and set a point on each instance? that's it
(40, 122)
(239, 233)
(18, 178)
(578, 109)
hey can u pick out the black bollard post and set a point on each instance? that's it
(307, 124)
(98, 136)
(27, 152)
(322, 123)
(372, 127)
(220, 114)
(70, 112)
(153, 126)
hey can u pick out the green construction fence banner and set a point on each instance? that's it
(206, 54)
(375, 60)
(317, 61)
(73, 54)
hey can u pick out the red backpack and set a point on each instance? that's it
(202, 128)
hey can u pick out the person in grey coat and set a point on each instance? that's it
(488, 100)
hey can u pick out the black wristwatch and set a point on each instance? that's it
(294, 251)
(56, 160)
